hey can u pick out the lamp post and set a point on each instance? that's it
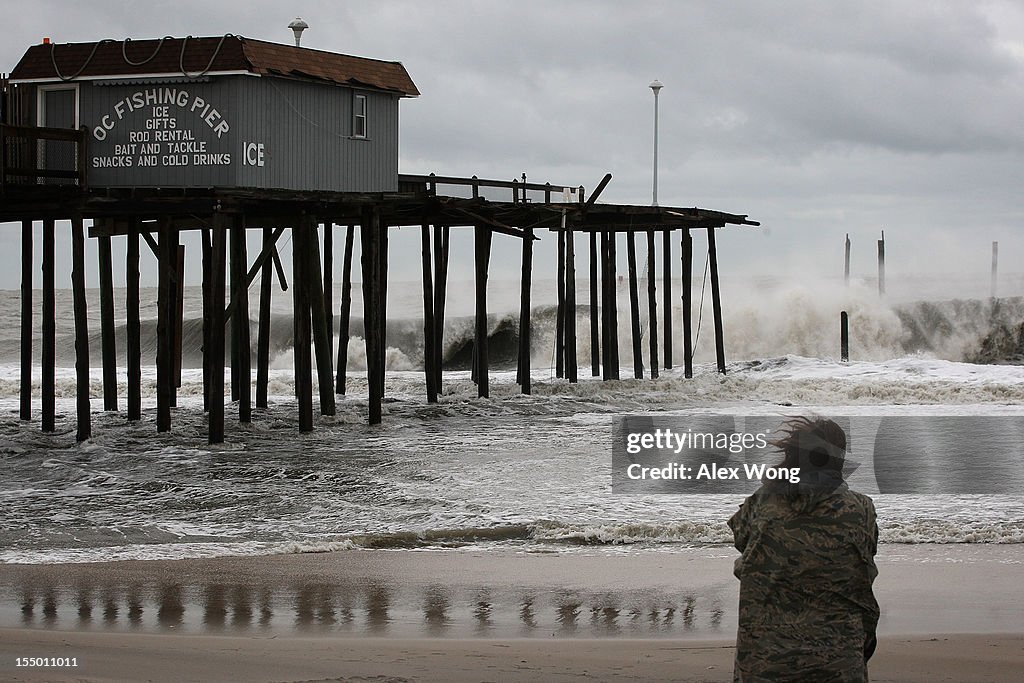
(656, 86)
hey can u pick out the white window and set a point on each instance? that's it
(359, 116)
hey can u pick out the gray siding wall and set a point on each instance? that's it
(307, 136)
(266, 133)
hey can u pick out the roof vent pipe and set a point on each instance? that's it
(297, 27)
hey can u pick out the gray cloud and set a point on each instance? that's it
(815, 118)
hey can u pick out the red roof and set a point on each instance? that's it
(197, 56)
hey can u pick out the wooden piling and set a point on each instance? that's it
(881, 265)
(81, 315)
(234, 281)
(328, 281)
(168, 250)
(614, 317)
(133, 324)
(716, 301)
(345, 314)
(524, 312)
(25, 394)
(263, 324)
(241, 368)
(179, 319)
(107, 342)
(595, 327)
(204, 235)
(606, 310)
(844, 336)
(370, 230)
(667, 297)
(214, 352)
(441, 249)
(634, 307)
(686, 275)
(382, 302)
(560, 309)
(429, 357)
(482, 248)
(302, 328)
(318, 313)
(569, 326)
(49, 342)
(652, 302)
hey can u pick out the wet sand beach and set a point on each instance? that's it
(951, 612)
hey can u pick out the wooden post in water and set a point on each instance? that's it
(109, 349)
(606, 311)
(995, 266)
(482, 244)
(318, 310)
(667, 298)
(569, 326)
(634, 306)
(328, 282)
(370, 240)
(595, 327)
(214, 352)
(241, 368)
(167, 260)
(881, 265)
(846, 262)
(524, 312)
(204, 235)
(687, 270)
(716, 301)
(49, 342)
(614, 321)
(301, 330)
(441, 248)
(429, 357)
(133, 324)
(81, 330)
(560, 309)
(234, 280)
(844, 336)
(383, 301)
(263, 323)
(652, 301)
(179, 302)
(345, 314)
(25, 395)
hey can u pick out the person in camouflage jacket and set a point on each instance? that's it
(807, 611)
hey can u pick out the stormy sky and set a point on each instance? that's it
(815, 118)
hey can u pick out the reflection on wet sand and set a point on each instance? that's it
(371, 608)
(377, 600)
(171, 610)
(435, 610)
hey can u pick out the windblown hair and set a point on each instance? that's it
(799, 432)
(817, 446)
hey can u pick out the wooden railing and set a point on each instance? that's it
(519, 188)
(33, 155)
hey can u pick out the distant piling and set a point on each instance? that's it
(881, 265)
(844, 336)
(846, 266)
